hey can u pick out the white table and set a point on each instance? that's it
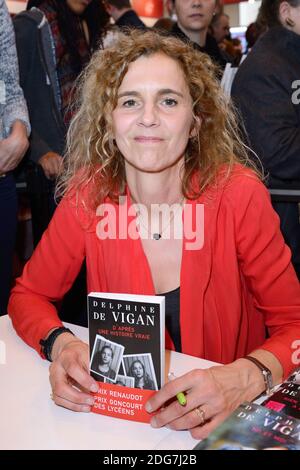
(30, 420)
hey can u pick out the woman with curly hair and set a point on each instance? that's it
(154, 131)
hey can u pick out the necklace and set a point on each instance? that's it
(157, 235)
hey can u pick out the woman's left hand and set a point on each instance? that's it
(211, 394)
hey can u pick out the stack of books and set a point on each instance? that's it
(273, 425)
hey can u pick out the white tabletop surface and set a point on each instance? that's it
(30, 420)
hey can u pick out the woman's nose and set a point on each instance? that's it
(149, 115)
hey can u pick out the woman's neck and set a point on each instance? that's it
(155, 188)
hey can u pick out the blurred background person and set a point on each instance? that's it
(164, 24)
(54, 43)
(264, 92)
(252, 34)
(219, 27)
(193, 20)
(55, 40)
(14, 130)
(123, 14)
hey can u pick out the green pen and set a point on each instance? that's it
(180, 395)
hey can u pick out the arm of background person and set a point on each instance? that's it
(26, 32)
(15, 106)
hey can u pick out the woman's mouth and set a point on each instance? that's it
(148, 139)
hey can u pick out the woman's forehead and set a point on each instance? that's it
(158, 68)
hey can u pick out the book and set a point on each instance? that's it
(127, 352)
(294, 377)
(286, 399)
(254, 427)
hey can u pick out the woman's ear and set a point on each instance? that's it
(196, 126)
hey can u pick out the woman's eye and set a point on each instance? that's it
(170, 102)
(129, 103)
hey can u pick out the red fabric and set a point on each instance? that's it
(238, 283)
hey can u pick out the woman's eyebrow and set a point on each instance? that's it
(163, 91)
(128, 93)
(167, 91)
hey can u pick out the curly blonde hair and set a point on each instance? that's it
(92, 155)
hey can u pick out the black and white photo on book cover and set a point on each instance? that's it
(106, 358)
(140, 368)
(122, 380)
(127, 334)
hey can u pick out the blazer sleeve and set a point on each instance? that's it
(265, 262)
(47, 276)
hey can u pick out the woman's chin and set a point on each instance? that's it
(151, 167)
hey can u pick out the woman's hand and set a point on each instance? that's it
(212, 394)
(69, 377)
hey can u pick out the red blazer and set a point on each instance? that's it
(240, 282)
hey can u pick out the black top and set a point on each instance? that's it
(211, 47)
(130, 20)
(172, 316)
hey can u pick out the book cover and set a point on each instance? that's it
(294, 377)
(127, 352)
(286, 399)
(254, 427)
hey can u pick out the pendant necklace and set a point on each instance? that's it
(157, 235)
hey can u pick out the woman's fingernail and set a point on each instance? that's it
(153, 423)
(89, 401)
(148, 407)
(94, 388)
(86, 409)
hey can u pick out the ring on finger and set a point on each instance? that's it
(201, 414)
